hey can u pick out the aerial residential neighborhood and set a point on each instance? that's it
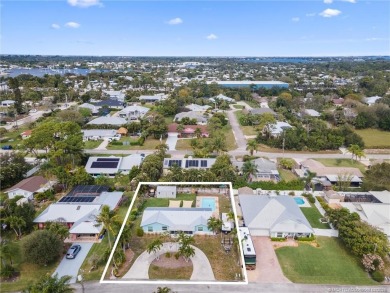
(194, 146)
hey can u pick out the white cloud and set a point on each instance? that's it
(311, 14)
(175, 21)
(330, 12)
(328, 1)
(55, 26)
(295, 19)
(350, 1)
(85, 3)
(72, 24)
(211, 37)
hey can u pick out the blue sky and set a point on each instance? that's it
(196, 28)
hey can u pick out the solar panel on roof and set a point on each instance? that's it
(203, 163)
(174, 162)
(104, 165)
(107, 160)
(192, 163)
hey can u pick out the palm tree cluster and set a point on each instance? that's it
(356, 151)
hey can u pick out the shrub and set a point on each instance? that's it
(42, 247)
(140, 232)
(312, 199)
(279, 239)
(378, 276)
(304, 238)
(292, 193)
(168, 255)
(372, 262)
(115, 142)
(305, 194)
(7, 271)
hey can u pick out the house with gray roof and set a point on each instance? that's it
(166, 191)
(200, 118)
(133, 112)
(115, 95)
(277, 128)
(266, 170)
(110, 166)
(98, 134)
(261, 111)
(273, 216)
(154, 98)
(176, 220)
(223, 98)
(94, 109)
(110, 103)
(108, 120)
(198, 108)
(189, 163)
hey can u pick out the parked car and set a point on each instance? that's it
(7, 147)
(73, 251)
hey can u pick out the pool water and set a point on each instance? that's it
(299, 200)
(208, 203)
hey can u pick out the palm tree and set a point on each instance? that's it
(187, 252)
(59, 229)
(308, 178)
(154, 247)
(198, 133)
(249, 168)
(6, 253)
(251, 146)
(230, 216)
(180, 128)
(356, 151)
(16, 223)
(51, 284)
(214, 224)
(107, 218)
(185, 240)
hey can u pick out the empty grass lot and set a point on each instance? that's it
(287, 175)
(342, 163)
(247, 130)
(330, 263)
(162, 273)
(313, 216)
(149, 144)
(374, 138)
(92, 144)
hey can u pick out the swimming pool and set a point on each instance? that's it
(208, 203)
(299, 200)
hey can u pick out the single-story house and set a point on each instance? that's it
(222, 97)
(110, 103)
(200, 118)
(198, 108)
(371, 100)
(165, 191)
(7, 103)
(273, 216)
(261, 111)
(176, 220)
(266, 170)
(108, 120)
(332, 197)
(189, 163)
(110, 166)
(277, 128)
(311, 113)
(154, 98)
(94, 109)
(26, 134)
(133, 112)
(115, 95)
(78, 210)
(188, 130)
(97, 134)
(27, 187)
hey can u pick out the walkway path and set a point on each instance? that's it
(326, 232)
(103, 145)
(202, 270)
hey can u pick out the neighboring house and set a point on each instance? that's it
(188, 130)
(133, 112)
(79, 209)
(110, 166)
(328, 175)
(223, 98)
(350, 113)
(371, 100)
(189, 163)
(108, 120)
(7, 103)
(200, 118)
(266, 170)
(261, 111)
(165, 191)
(250, 83)
(27, 187)
(116, 95)
(311, 113)
(94, 109)
(110, 103)
(153, 99)
(277, 216)
(98, 134)
(198, 108)
(338, 102)
(26, 134)
(277, 128)
(176, 220)
(332, 197)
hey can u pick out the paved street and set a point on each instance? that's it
(71, 267)
(238, 134)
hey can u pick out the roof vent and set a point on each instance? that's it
(78, 207)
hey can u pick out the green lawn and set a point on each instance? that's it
(12, 137)
(287, 175)
(313, 216)
(149, 144)
(161, 273)
(342, 163)
(164, 202)
(92, 144)
(328, 264)
(247, 130)
(238, 106)
(374, 138)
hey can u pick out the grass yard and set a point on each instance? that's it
(149, 144)
(287, 175)
(164, 202)
(13, 137)
(29, 273)
(92, 144)
(238, 106)
(247, 130)
(225, 266)
(374, 138)
(328, 264)
(342, 163)
(161, 273)
(313, 216)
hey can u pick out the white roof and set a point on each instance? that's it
(383, 196)
(336, 178)
(124, 164)
(134, 108)
(257, 82)
(99, 132)
(278, 127)
(223, 97)
(108, 120)
(110, 199)
(87, 227)
(372, 100)
(312, 113)
(195, 107)
(190, 115)
(166, 188)
(69, 213)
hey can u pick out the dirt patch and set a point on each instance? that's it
(171, 262)
(289, 242)
(129, 254)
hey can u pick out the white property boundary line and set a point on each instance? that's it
(245, 282)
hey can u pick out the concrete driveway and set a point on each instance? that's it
(202, 270)
(71, 267)
(172, 140)
(238, 134)
(267, 269)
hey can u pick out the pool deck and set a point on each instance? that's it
(216, 211)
